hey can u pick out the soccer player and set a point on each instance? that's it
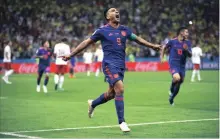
(179, 49)
(113, 38)
(44, 54)
(87, 56)
(7, 62)
(72, 65)
(99, 55)
(196, 60)
(60, 49)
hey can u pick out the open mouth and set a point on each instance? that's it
(117, 16)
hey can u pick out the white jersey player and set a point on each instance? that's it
(60, 49)
(99, 54)
(196, 60)
(7, 62)
(87, 56)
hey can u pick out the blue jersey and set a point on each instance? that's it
(113, 42)
(177, 55)
(45, 61)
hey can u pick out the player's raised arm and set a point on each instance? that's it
(79, 48)
(142, 41)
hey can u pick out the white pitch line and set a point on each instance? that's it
(19, 135)
(111, 126)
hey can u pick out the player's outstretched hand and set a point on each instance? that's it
(65, 58)
(157, 47)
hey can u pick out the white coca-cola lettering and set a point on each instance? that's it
(28, 68)
(148, 66)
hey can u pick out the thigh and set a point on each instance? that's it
(112, 74)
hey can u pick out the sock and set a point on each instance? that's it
(9, 72)
(172, 87)
(198, 74)
(39, 77)
(46, 80)
(119, 104)
(176, 89)
(88, 73)
(61, 81)
(56, 79)
(71, 71)
(97, 72)
(193, 75)
(100, 100)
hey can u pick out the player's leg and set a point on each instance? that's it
(174, 84)
(63, 70)
(97, 69)
(40, 73)
(46, 80)
(198, 72)
(103, 98)
(56, 76)
(71, 71)
(8, 72)
(88, 69)
(193, 73)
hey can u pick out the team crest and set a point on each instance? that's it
(185, 46)
(123, 33)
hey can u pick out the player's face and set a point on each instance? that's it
(113, 15)
(185, 34)
(46, 44)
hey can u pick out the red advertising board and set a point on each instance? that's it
(81, 67)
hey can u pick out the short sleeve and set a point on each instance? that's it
(129, 34)
(55, 50)
(169, 44)
(96, 35)
(38, 52)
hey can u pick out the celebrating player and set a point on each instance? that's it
(179, 49)
(99, 55)
(60, 49)
(196, 60)
(7, 62)
(113, 38)
(44, 54)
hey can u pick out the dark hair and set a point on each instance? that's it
(43, 41)
(180, 30)
(105, 12)
(64, 40)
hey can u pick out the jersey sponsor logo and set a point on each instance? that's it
(110, 34)
(123, 33)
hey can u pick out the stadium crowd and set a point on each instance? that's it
(27, 22)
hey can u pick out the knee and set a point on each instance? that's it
(176, 78)
(119, 90)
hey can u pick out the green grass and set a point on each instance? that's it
(146, 100)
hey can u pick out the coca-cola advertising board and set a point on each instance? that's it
(81, 67)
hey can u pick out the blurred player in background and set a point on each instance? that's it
(99, 55)
(113, 38)
(60, 49)
(87, 56)
(7, 62)
(44, 54)
(72, 63)
(179, 49)
(196, 60)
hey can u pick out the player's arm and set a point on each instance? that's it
(79, 48)
(143, 42)
(163, 51)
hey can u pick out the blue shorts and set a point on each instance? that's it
(112, 73)
(43, 69)
(180, 71)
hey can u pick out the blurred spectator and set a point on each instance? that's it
(27, 22)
